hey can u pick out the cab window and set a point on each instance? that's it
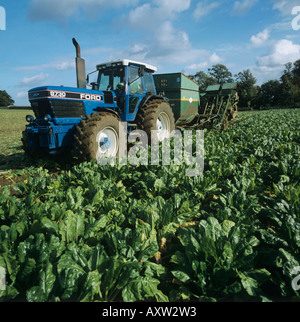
(149, 83)
(112, 79)
(136, 86)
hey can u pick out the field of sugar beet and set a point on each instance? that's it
(84, 232)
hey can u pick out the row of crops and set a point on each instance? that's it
(150, 233)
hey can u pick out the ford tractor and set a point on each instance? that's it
(90, 120)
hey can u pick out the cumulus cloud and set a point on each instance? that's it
(149, 15)
(204, 8)
(260, 38)
(60, 10)
(209, 60)
(34, 79)
(59, 66)
(167, 45)
(173, 5)
(143, 16)
(215, 59)
(197, 67)
(242, 7)
(164, 43)
(22, 94)
(169, 37)
(285, 7)
(65, 65)
(284, 51)
(172, 46)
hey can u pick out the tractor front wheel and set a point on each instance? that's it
(98, 136)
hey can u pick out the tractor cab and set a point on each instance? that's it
(132, 82)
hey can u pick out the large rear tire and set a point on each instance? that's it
(98, 136)
(156, 115)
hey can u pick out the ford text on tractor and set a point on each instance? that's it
(88, 120)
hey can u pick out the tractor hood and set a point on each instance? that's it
(69, 102)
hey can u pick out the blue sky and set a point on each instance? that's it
(173, 35)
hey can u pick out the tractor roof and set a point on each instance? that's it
(126, 62)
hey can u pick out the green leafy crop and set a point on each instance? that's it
(150, 233)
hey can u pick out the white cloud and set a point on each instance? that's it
(59, 65)
(66, 65)
(60, 10)
(172, 46)
(173, 5)
(169, 37)
(204, 8)
(149, 15)
(260, 38)
(22, 94)
(215, 59)
(284, 51)
(285, 7)
(197, 67)
(163, 42)
(210, 59)
(242, 7)
(143, 16)
(166, 46)
(34, 79)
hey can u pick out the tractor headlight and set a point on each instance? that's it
(47, 118)
(29, 118)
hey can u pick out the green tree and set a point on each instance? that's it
(270, 93)
(5, 99)
(220, 73)
(296, 73)
(204, 80)
(296, 76)
(288, 88)
(246, 87)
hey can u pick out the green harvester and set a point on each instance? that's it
(213, 108)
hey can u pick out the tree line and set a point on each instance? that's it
(5, 99)
(283, 92)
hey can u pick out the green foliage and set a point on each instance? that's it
(5, 99)
(203, 80)
(247, 90)
(270, 93)
(150, 233)
(220, 73)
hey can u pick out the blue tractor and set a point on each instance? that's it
(88, 120)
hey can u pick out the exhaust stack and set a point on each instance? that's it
(80, 66)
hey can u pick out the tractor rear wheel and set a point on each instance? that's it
(98, 136)
(158, 116)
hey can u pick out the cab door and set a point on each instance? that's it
(136, 90)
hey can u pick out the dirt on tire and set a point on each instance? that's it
(148, 114)
(85, 138)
